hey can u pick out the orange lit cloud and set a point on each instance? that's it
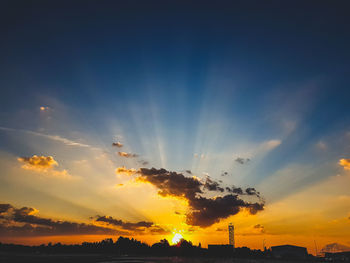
(38, 163)
(123, 170)
(118, 144)
(345, 163)
(43, 164)
(44, 108)
(127, 155)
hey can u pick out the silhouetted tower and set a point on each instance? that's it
(231, 234)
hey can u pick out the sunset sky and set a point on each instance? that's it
(148, 119)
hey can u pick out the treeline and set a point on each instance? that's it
(126, 246)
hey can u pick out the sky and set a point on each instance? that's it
(154, 118)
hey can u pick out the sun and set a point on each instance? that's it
(176, 239)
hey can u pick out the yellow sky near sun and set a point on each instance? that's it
(320, 212)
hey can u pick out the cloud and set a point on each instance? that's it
(248, 191)
(321, 145)
(211, 185)
(224, 174)
(345, 163)
(58, 138)
(124, 225)
(252, 191)
(44, 108)
(140, 226)
(43, 164)
(24, 222)
(271, 144)
(123, 170)
(38, 163)
(207, 211)
(127, 155)
(171, 183)
(242, 160)
(203, 211)
(159, 230)
(260, 228)
(235, 190)
(335, 247)
(117, 144)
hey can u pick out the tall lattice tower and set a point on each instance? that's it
(231, 234)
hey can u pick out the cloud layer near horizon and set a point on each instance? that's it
(24, 222)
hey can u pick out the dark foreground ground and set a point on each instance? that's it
(100, 258)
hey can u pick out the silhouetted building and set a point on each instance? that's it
(339, 256)
(231, 234)
(289, 251)
(220, 250)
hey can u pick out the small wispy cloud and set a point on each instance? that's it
(125, 171)
(117, 144)
(51, 137)
(44, 108)
(241, 160)
(321, 145)
(127, 155)
(260, 228)
(270, 145)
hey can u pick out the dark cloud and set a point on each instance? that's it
(241, 160)
(141, 227)
(171, 183)
(125, 225)
(211, 185)
(335, 247)
(204, 211)
(207, 211)
(188, 171)
(159, 230)
(23, 222)
(238, 190)
(252, 191)
(224, 174)
(235, 190)
(191, 229)
(5, 207)
(127, 155)
(260, 228)
(117, 144)
(145, 163)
